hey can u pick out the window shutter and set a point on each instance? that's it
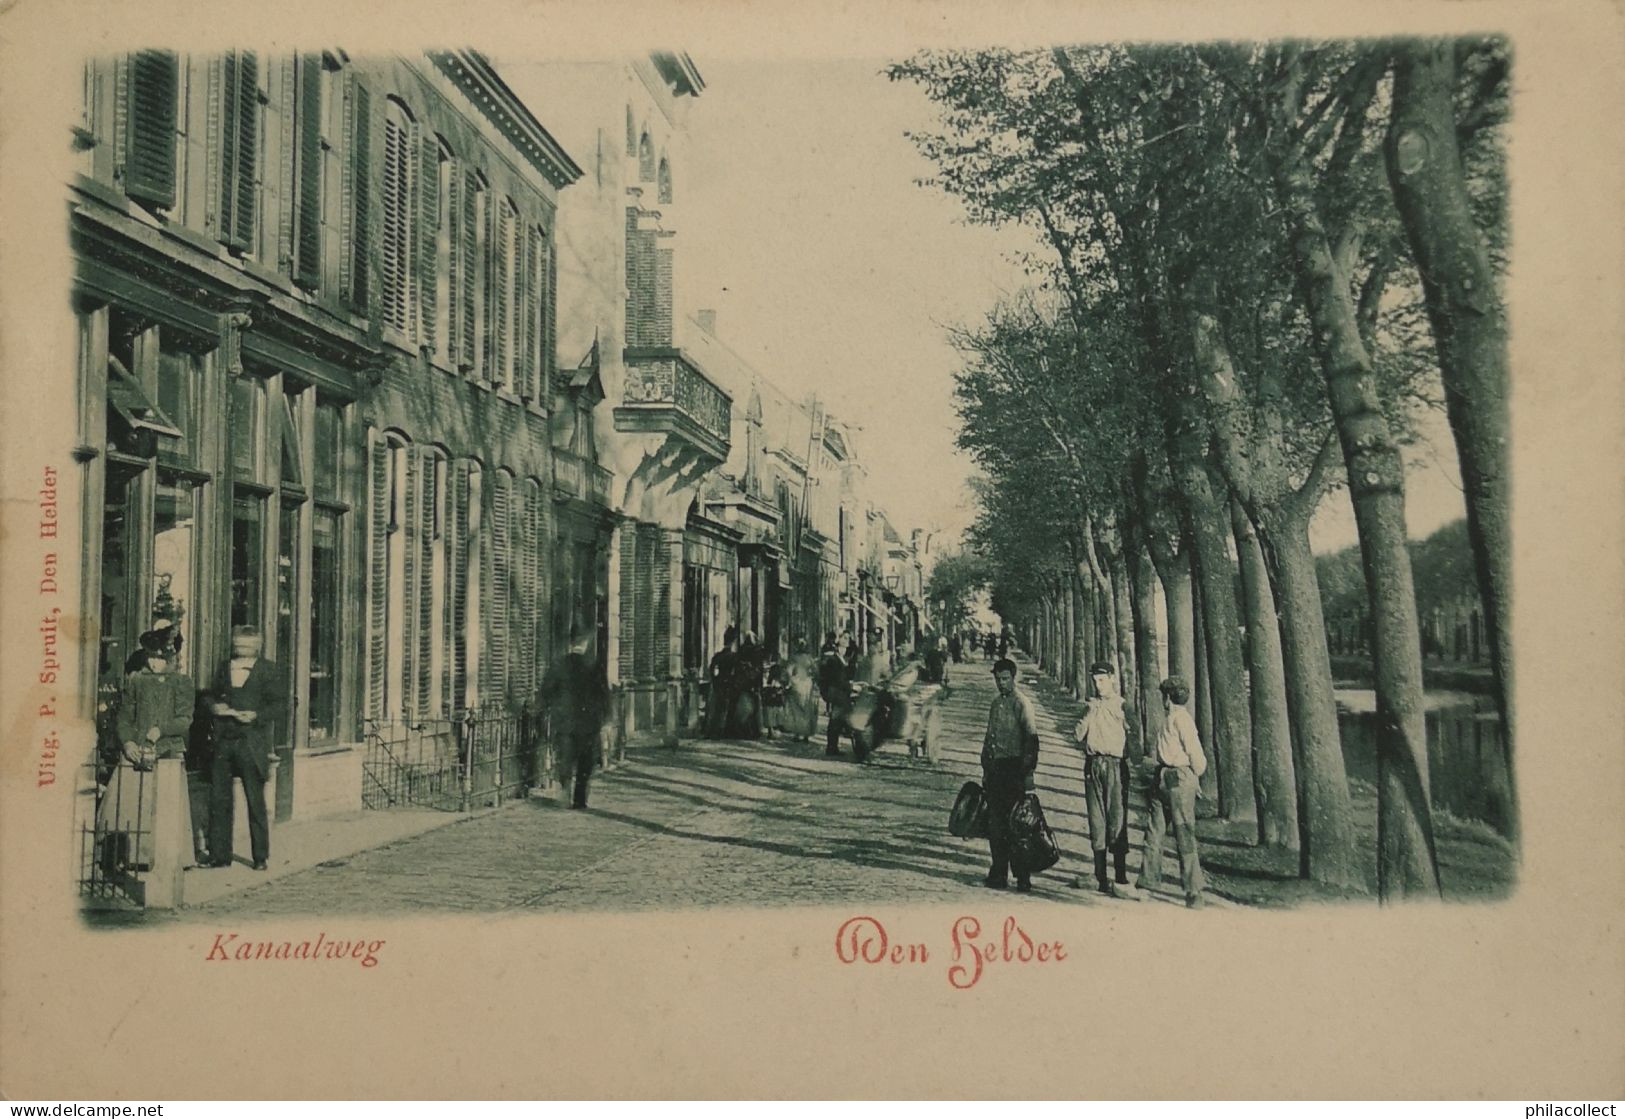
(504, 260)
(248, 115)
(391, 257)
(530, 327)
(501, 599)
(353, 275)
(457, 575)
(286, 99)
(457, 278)
(490, 366)
(149, 144)
(308, 246)
(377, 570)
(471, 275)
(239, 147)
(411, 531)
(550, 311)
(425, 584)
(428, 237)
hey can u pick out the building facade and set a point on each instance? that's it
(316, 329)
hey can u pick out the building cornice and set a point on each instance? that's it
(473, 73)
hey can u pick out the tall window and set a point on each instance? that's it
(502, 294)
(646, 159)
(631, 133)
(665, 181)
(326, 579)
(386, 576)
(432, 608)
(250, 495)
(474, 237)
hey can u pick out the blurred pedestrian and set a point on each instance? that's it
(800, 699)
(721, 676)
(834, 685)
(575, 694)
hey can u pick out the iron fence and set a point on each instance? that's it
(114, 817)
(477, 760)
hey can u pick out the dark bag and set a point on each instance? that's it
(968, 817)
(1032, 843)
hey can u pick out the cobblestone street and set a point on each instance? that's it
(769, 823)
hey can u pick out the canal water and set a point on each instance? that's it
(1466, 763)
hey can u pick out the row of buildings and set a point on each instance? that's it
(387, 360)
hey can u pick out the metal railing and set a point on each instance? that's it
(114, 814)
(477, 760)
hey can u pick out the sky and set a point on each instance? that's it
(832, 271)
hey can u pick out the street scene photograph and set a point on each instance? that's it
(1064, 476)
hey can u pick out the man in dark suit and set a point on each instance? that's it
(576, 695)
(250, 698)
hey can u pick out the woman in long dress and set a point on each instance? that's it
(146, 799)
(800, 695)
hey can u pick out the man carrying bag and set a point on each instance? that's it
(1009, 762)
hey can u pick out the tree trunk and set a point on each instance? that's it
(1069, 654)
(1325, 811)
(1127, 676)
(1407, 862)
(1266, 679)
(1174, 572)
(1143, 601)
(1202, 693)
(1469, 330)
(1083, 636)
(1232, 723)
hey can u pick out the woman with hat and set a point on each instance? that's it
(146, 796)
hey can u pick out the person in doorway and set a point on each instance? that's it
(145, 801)
(834, 685)
(575, 695)
(1175, 786)
(1103, 734)
(250, 699)
(1009, 769)
(721, 675)
(800, 709)
(748, 669)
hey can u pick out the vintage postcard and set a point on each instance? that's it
(732, 550)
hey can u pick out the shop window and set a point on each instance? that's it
(247, 412)
(287, 581)
(174, 562)
(328, 451)
(325, 628)
(247, 558)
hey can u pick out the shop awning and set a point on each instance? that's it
(127, 397)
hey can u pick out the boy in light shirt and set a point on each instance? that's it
(1103, 734)
(1175, 786)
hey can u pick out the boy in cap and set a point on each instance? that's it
(1175, 786)
(1103, 734)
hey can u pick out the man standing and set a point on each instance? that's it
(1103, 734)
(1175, 786)
(834, 684)
(250, 700)
(576, 696)
(1009, 763)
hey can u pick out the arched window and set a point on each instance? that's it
(396, 256)
(388, 484)
(504, 295)
(646, 159)
(631, 133)
(476, 240)
(665, 180)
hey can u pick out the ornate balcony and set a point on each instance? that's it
(667, 394)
